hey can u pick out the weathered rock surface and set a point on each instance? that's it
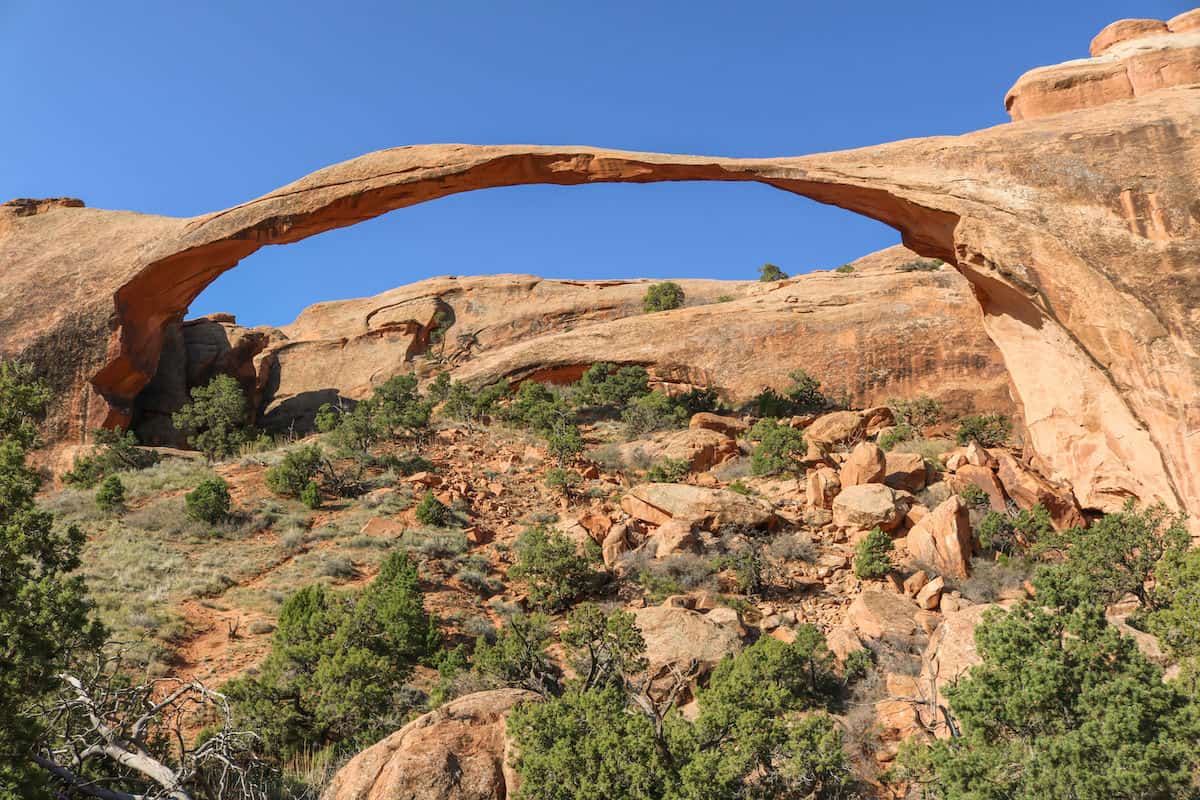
(701, 448)
(680, 638)
(865, 464)
(1077, 230)
(868, 505)
(884, 615)
(659, 503)
(950, 654)
(943, 539)
(458, 752)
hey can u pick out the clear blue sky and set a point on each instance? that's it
(181, 108)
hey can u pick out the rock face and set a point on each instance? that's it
(660, 503)
(458, 752)
(868, 505)
(943, 539)
(1078, 232)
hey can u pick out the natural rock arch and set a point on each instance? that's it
(1078, 231)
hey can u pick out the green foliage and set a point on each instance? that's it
(554, 571)
(538, 409)
(114, 451)
(990, 430)
(1118, 554)
(310, 495)
(327, 418)
(297, 469)
(217, 418)
(749, 740)
(209, 501)
(653, 412)
(518, 656)
(470, 406)
(769, 273)
(858, 665)
(565, 443)
(871, 559)
(395, 408)
(724, 298)
(563, 480)
(975, 497)
(1015, 530)
(748, 569)
(431, 511)
(802, 396)
(662, 297)
(778, 447)
(337, 664)
(588, 746)
(605, 385)
(921, 265)
(696, 400)
(45, 615)
(1061, 706)
(439, 387)
(605, 649)
(669, 470)
(918, 412)
(845, 269)
(110, 495)
(895, 435)
(1176, 621)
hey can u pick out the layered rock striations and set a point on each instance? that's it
(1078, 230)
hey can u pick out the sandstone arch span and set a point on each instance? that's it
(1079, 232)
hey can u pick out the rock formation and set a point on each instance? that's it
(1077, 226)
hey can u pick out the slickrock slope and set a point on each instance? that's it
(872, 334)
(1079, 231)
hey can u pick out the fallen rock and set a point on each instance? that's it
(615, 545)
(949, 656)
(821, 487)
(883, 615)
(904, 471)
(679, 637)
(1027, 489)
(658, 503)
(701, 448)
(931, 594)
(866, 464)
(729, 426)
(457, 752)
(985, 479)
(867, 506)
(944, 540)
(835, 428)
(671, 538)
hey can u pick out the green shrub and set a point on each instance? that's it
(918, 412)
(439, 387)
(606, 385)
(431, 511)
(310, 495)
(921, 265)
(470, 406)
(845, 269)
(536, 408)
(209, 501)
(662, 297)
(777, 449)
(1015, 530)
(1060, 705)
(871, 559)
(858, 665)
(895, 435)
(563, 480)
(565, 444)
(802, 396)
(724, 298)
(990, 430)
(113, 451)
(517, 657)
(218, 418)
(297, 469)
(554, 571)
(653, 412)
(110, 496)
(337, 664)
(328, 417)
(669, 470)
(975, 497)
(769, 273)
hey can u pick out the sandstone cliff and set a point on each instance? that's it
(1076, 225)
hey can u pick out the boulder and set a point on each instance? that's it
(985, 479)
(865, 464)
(904, 471)
(950, 654)
(978, 456)
(884, 615)
(821, 487)
(1027, 489)
(671, 538)
(842, 641)
(729, 426)
(457, 752)
(615, 545)
(678, 637)
(701, 448)
(931, 594)
(835, 428)
(944, 540)
(867, 506)
(658, 503)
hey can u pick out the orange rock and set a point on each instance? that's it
(866, 464)
(730, 426)
(944, 539)
(1027, 489)
(904, 471)
(985, 479)
(821, 487)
